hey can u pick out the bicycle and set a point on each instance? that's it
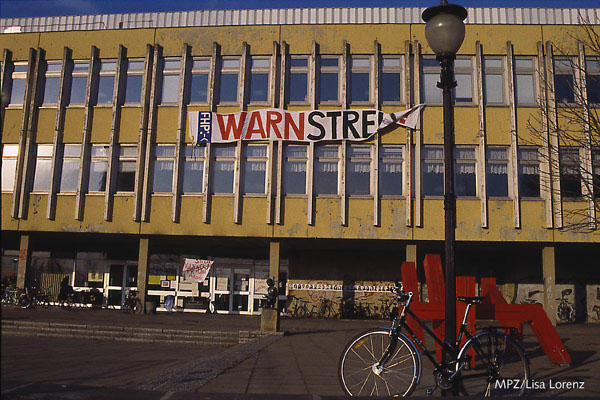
(132, 303)
(565, 311)
(386, 362)
(299, 310)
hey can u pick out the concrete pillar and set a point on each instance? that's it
(411, 253)
(549, 271)
(142, 278)
(24, 260)
(269, 321)
(274, 265)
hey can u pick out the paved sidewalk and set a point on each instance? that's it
(301, 363)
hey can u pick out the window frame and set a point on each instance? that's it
(562, 70)
(360, 70)
(529, 71)
(298, 160)
(328, 69)
(223, 70)
(19, 75)
(99, 158)
(390, 159)
(524, 162)
(69, 158)
(245, 160)
(47, 157)
(298, 70)
(106, 73)
(464, 161)
(566, 160)
(325, 159)
(350, 160)
(200, 70)
(592, 69)
(462, 70)
(490, 161)
(392, 69)
(135, 72)
(78, 73)
(258, 70)
(166, 71)
(428, 160)
(193, 159)
(51, 75)
(158, 158)
(9, 156)
(121, 159)
(494, 71)
(222, 158)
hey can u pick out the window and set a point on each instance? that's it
(493, 80)
(98, 167)
(563, 81)
(69, 174)
(358, 170)
(390, 79)
(43, 167)
(497, 171)
(106, 81)
(570, 175)
(164, 160)
(258, 82)
(170, 81)
(193, 169)
(134, 80)
(432, 170)
(524, 81)
(463, 74)
(10, 153)
(126, 169)
(298, 81)
(529, 172)
(228, 83)
(329, 78)
(17, 88)
(199, 83)
(326, 169)
(360, 79)
(596, 173)
(224, 166)
(592, 75)
(254, 169)
(391, 160)
(51, 85)
(294, 169)
(464, 171)
(79, 78)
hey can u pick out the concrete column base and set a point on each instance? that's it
(269, 320)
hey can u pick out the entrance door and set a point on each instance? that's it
(232, 290)
(120, 278)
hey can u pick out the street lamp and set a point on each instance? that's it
(445, 32)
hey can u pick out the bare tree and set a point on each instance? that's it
(567, 130)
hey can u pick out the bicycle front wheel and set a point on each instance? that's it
(360, 374)
(493, 364)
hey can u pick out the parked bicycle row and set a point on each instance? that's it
(341, 307)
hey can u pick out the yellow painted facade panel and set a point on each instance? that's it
(497, 125)
(393, 220)
(11, 126)
(73, 130)
(533, 221)
(122, 219)
(19, 44)
(65, 214)
(36, 214)
(129, 127)
(45, 125)
(101, 125)
(563, 38)
(167, 125)
(295, 217)
(8, 223)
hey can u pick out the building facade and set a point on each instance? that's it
(102, 184)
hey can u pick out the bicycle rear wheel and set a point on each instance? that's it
(495, 365)
(360, 376)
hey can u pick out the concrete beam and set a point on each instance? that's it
(24, 260)
(549, 271)
(143, 261)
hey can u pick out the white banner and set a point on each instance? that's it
(295, 126)
(340, 288)
(196, 270)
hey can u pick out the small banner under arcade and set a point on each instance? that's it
(196, 270)
(296, 126)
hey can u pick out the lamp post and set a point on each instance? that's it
(445, 32)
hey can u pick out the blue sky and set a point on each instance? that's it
(35, 8)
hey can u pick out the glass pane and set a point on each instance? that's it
(593, 88)
(8, 174)
(253, 180)
(41, 180)
(201, 64)
(359, 87)
(222, 181)
(51, 90)
(497, 180)
(390, 87)
(258, 87)
(17, 92)
(390, 178)
(299, 62)
(98, 176)
(431, 93)
(126, 176)
(108, 66)
(199, 88)
(163, 176)
(172, 64)
(192, 176)
(294, 177)
(463, 91)
(524, 89)
(106, 86)
(433, 178)
(72, 150)
(135, 66)
(462, 63)
(260, 62)
(226, 151)
(523, 63)
(229, 88)
(563, 86)
(358, 178)
(360, 62)
(298, 86)
(231, 63)
(329, 87)
(170, 89)
(20, 68)
(133, 88)
(430, 62)
(44, 150)
(390, 62)
(329, 62)
(99, 150)
(194, 151)
(69, 176)
(164, 151)
(81, 66)
(493, 63)
(128, 151)
(256, 151)
(78, 89)
(493, 88)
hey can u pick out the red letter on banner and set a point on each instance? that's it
(237, 129)
(272, 123)
(255, 119)
(298, 130)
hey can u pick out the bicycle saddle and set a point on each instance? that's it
(470, 300)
